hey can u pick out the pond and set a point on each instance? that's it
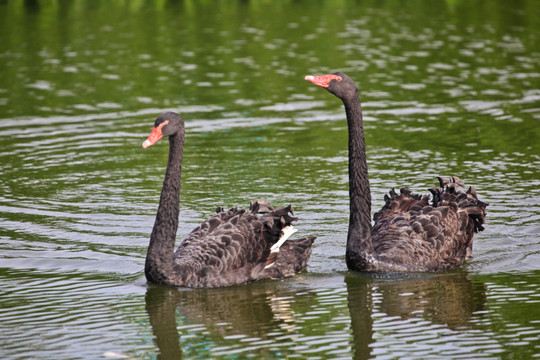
(448, 88)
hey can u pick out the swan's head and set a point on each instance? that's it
(167, 124)
(336, 83)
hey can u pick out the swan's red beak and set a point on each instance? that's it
(154, 136)
(322, 80)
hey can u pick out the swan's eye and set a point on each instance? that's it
(338, 78)
(160, 126)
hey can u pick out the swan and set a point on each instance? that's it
(409, 234)
(233, 247)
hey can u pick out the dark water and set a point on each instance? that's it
(448, 88)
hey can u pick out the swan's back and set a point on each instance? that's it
(412, 234)
(234, 247)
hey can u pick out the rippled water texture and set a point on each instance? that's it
(448, 88)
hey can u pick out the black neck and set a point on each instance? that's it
(160, 256)
(359, 236)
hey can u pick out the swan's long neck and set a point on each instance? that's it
(160, 256)
(359, 237)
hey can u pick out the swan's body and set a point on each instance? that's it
(409, 234)
(230, 248)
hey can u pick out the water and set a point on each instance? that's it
(448, 88)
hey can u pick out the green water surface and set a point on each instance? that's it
(448, 88)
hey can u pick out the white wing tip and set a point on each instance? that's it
(286, 233)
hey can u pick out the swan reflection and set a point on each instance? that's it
(253, 311)
(449, 299)
(284, 318)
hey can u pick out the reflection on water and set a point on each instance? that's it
(420, 310)
(273, 321)
(243, 313)
(448, 88)
(270, 321)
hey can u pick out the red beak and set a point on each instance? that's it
(154, 136)
(322, 80)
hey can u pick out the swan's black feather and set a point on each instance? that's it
(412, 234)
(233, 247)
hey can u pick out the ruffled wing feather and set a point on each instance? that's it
(414, 235)
(234, 247)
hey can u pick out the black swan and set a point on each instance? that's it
(409, 233)
(230, 248)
